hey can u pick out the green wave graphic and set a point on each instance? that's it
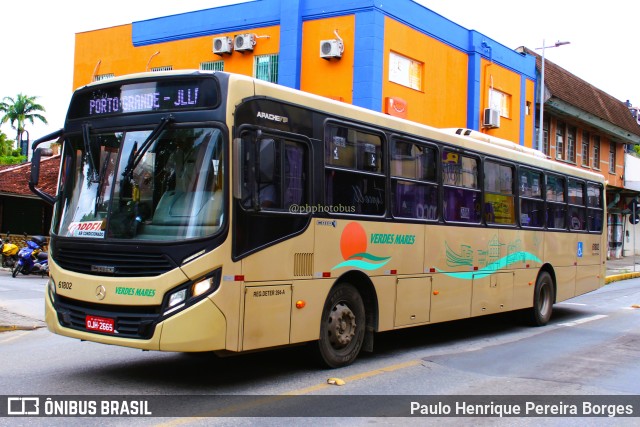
(361, 264)
(369, 257)
(500, 264)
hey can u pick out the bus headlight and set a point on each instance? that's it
(189, 293)
(177, 298)
(201, 287)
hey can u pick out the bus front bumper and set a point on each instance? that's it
(201, 327)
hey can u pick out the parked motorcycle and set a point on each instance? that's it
(32, 259)
(9, 252)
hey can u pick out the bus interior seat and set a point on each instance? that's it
(178, 209)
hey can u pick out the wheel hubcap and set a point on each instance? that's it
(342, 326)
(545, 300)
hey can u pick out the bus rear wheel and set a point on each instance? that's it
(543, 298)
(342, 328)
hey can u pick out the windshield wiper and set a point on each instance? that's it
(86, 139)
(136, 154)
(152, 136)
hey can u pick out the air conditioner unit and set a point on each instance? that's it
(491, 118)
(244, 42)
(331, 48)
(222, 45)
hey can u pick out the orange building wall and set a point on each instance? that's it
(119, 56)
(445, 75)
(506, 81)
(331, 78)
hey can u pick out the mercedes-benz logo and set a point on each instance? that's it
(101, 292)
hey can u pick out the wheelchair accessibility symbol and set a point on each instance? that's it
(579, 249)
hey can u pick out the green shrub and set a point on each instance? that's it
(12, 160)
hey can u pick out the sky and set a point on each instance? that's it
(36, 53)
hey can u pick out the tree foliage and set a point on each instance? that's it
(20, 110)
(9, 156)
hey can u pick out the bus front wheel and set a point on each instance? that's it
(342, 328)
(543, 298)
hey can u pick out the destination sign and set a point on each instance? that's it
(149, 96)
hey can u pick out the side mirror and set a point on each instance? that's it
(35, 165)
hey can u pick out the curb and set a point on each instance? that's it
(618, 277)
(4, 328)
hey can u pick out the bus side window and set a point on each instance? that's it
(556, 203)
(281, 175)
(594, 207)
(531, 202)
(413, 176)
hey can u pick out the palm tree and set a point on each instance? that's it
(21, 110)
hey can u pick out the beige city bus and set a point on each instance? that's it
(207, 211)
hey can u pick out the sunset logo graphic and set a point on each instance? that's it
(353, 247)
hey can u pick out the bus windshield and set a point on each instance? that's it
(153, 184)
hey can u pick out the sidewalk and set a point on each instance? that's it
(622, 268)
(617, 269)
(12, 321)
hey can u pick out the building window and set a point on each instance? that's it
(265, 68)
(560, 140)
(500, 101)
(612, 157)
(99, 77)
(162, 68)
(405, 71)
(545, 135)
(585, 148)
(212, 66)
(596, 152)
(571, 144)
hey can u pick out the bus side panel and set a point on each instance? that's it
(305, 320)
(454, 252)
(589, 276)
(267, 316)
(587, 279)
(523, 286)
(560, 250)
(565, 282)
(493, 293)
(373, 248)
(413, 300)
(282, 261)
(522, 248)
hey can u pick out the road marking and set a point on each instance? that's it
(12, 336)
(585, 320)
(360, 376)
(356, 377)
(287, 394)
(571, 303)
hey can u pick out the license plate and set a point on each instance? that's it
(100, 324)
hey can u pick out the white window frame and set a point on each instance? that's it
(405, 71)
